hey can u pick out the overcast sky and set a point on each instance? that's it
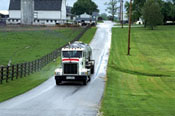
(4, 4)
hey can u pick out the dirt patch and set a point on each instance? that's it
(30, 28)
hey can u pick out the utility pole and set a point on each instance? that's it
(129, 29)
(122, 12)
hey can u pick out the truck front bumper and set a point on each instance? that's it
(71, 78)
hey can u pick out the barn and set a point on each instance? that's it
(37, 12)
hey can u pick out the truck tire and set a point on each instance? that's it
(58, 82)
(92, 70)
(89, 78)
(84, 82)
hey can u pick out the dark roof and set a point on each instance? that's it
(48, 5)
(15, 5)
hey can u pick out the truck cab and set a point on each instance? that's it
(76, 63)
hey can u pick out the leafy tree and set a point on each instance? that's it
(136, 9)
(152, 13)
(112, 7)
(172, 13)
(127, 8)
(82, 6)
(104, 16)
(166, 7)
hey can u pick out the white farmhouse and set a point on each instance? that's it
(37, 12)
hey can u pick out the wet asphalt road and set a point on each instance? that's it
(69, 99)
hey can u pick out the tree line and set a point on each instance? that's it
(152, 12)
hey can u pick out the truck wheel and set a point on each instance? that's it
(85, 82)
(58, 82)
(89, 78)
(92, 70)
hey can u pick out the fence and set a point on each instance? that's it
(24, 69)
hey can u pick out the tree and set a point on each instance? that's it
(137, 7)
(152, 13)
(104, 16)
(172, 13)
(127, 8)
(84, 6)
(166, 8)
(112, 7)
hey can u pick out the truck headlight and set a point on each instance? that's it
(57, 73)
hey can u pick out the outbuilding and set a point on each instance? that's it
(37, 12)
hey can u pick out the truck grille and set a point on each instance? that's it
(70, 69)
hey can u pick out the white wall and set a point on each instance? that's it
(47, 14)
(15, 14)
(85, 15)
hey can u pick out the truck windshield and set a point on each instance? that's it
(72, 54)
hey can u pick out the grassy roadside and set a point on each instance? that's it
(128, 25)
(142, 84)
(87, 37)
(19, 86)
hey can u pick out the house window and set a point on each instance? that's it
(55, 21)
(12, 20)
(47, 21)
(38, 20)
(16, 20)
(51, 21)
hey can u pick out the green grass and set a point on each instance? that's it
(127, 25)
(22, 85)
(26, 45)
(87, 37)
(100, 21)
(142, 84)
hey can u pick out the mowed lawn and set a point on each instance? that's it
(26, 45)
(142, 84)
(21, 85)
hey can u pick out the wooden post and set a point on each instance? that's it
(31, 67)
(25, 69)
(13, 68)
(21, 70)
(7, 74)
(35, 65)
(28, 68)
(17, 71)
(1, 78)
(122, 12)
(129, 29)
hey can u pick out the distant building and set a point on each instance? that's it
(69, 14)
(3, 17)
(87, 19)
(95, 15)
(37, 12)
(4, 14)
